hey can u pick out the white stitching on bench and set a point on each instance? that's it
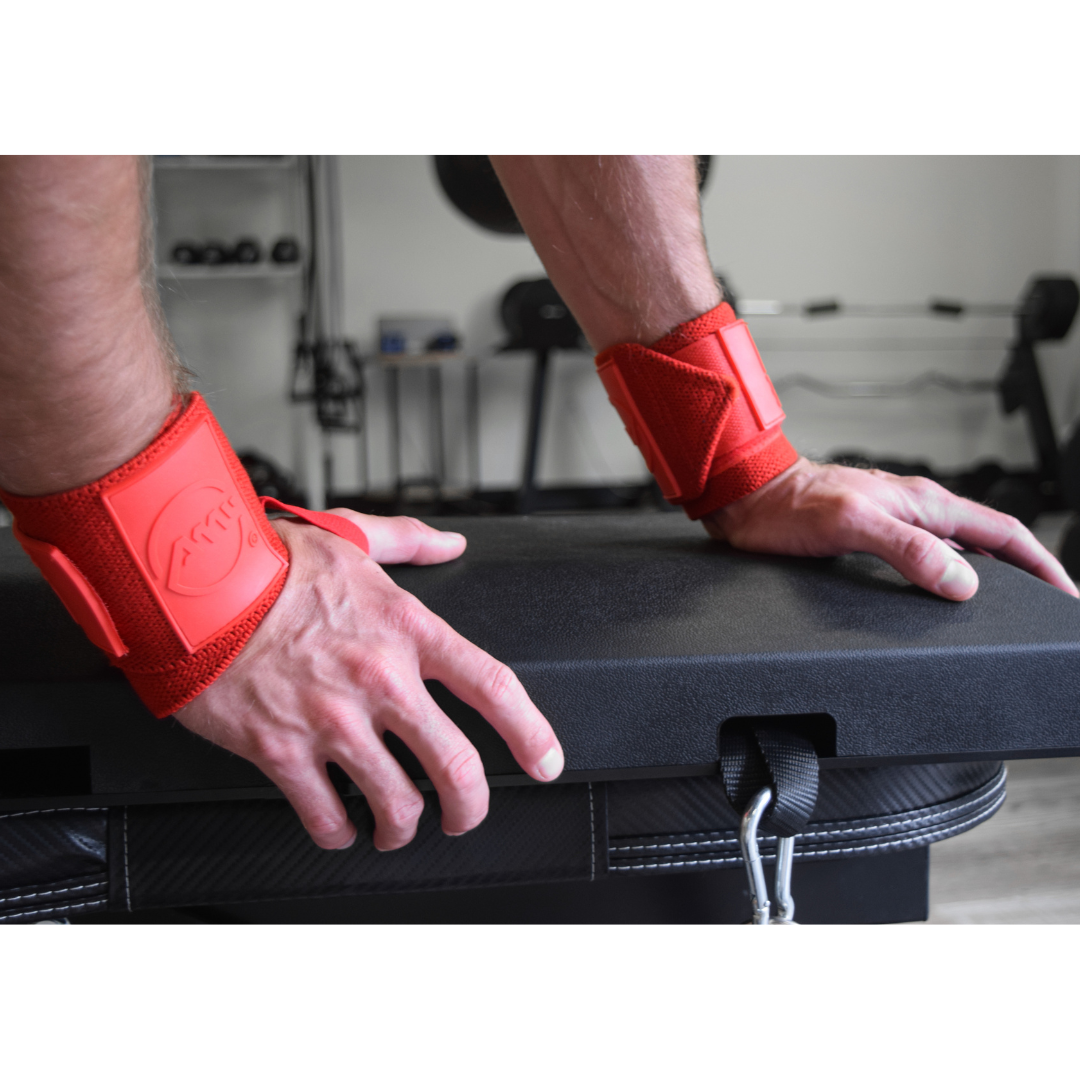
(925, 838)
(127, 879)
(53, 892)
(816, 834)
(62, 810)
(592, 837)
(55, 907)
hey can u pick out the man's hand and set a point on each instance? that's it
(816, 509)
(339, 660)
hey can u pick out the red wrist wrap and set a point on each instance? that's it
(168, 562)
(701, 409)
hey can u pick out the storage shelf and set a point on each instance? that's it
(225, 162)
(181, 272)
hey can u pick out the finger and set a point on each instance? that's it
(495, 692)
(404, 539)
(924, 559)
(977, 526)
(1009, 540)
(315, 801)
(394, 800)
(447, 757)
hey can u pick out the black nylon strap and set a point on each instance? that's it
(766, 753)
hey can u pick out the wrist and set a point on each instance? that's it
(724, 521)
(699, 405)
(78, 425)
(168, 562)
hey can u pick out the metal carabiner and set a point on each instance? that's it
(785, 903)
(785, 855)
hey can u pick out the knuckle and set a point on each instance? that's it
(409, 616)
(325, 826)
(847, 510)
(402, 812)
(919, 548)
(382, 674)
(500, 685)
(464, 770)
(924, 489)
(276, 756)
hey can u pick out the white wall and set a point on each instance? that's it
(408, 250)
(898, 230)
(865, 230)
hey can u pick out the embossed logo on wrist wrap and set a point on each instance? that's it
(194, 543)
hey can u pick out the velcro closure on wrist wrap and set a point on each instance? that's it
(702, 410)
(168, 562)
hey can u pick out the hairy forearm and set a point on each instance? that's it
(620, 238)
(86, 373)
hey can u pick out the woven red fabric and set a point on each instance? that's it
(658, 397)
(688, 332)
(701, 409)
(164, 673)
(745, 476)
(330, 522)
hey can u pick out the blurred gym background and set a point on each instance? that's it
(353, 324)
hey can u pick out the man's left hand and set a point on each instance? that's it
(813, 509)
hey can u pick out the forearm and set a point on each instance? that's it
(86, 374)
(620, 238)
(172, 567)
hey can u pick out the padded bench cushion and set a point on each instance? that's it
(637, 636)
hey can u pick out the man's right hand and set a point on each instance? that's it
(341, 659)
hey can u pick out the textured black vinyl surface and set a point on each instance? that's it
(60, 863)
(697, 803)
(209, 853)
(220, 853)
(52, 862)
(851, 838)
(637, 636)
(872, 889)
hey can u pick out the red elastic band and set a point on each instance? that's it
(702, 410)
(330, 522)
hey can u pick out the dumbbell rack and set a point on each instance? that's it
(314, 221)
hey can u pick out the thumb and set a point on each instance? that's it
(404, 539)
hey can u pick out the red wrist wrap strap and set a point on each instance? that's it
(168, 562)
(701, 409)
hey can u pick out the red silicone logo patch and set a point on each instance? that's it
(194, 541)
(197, 540)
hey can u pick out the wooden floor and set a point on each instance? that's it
(1021, 866)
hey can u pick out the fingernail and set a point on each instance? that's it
(958, 580)
(453, 536)
(551, 764)
(348, 844)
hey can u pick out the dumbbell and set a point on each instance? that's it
(187, 253)
(247, 252)
(215, 253)
(286, 250)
